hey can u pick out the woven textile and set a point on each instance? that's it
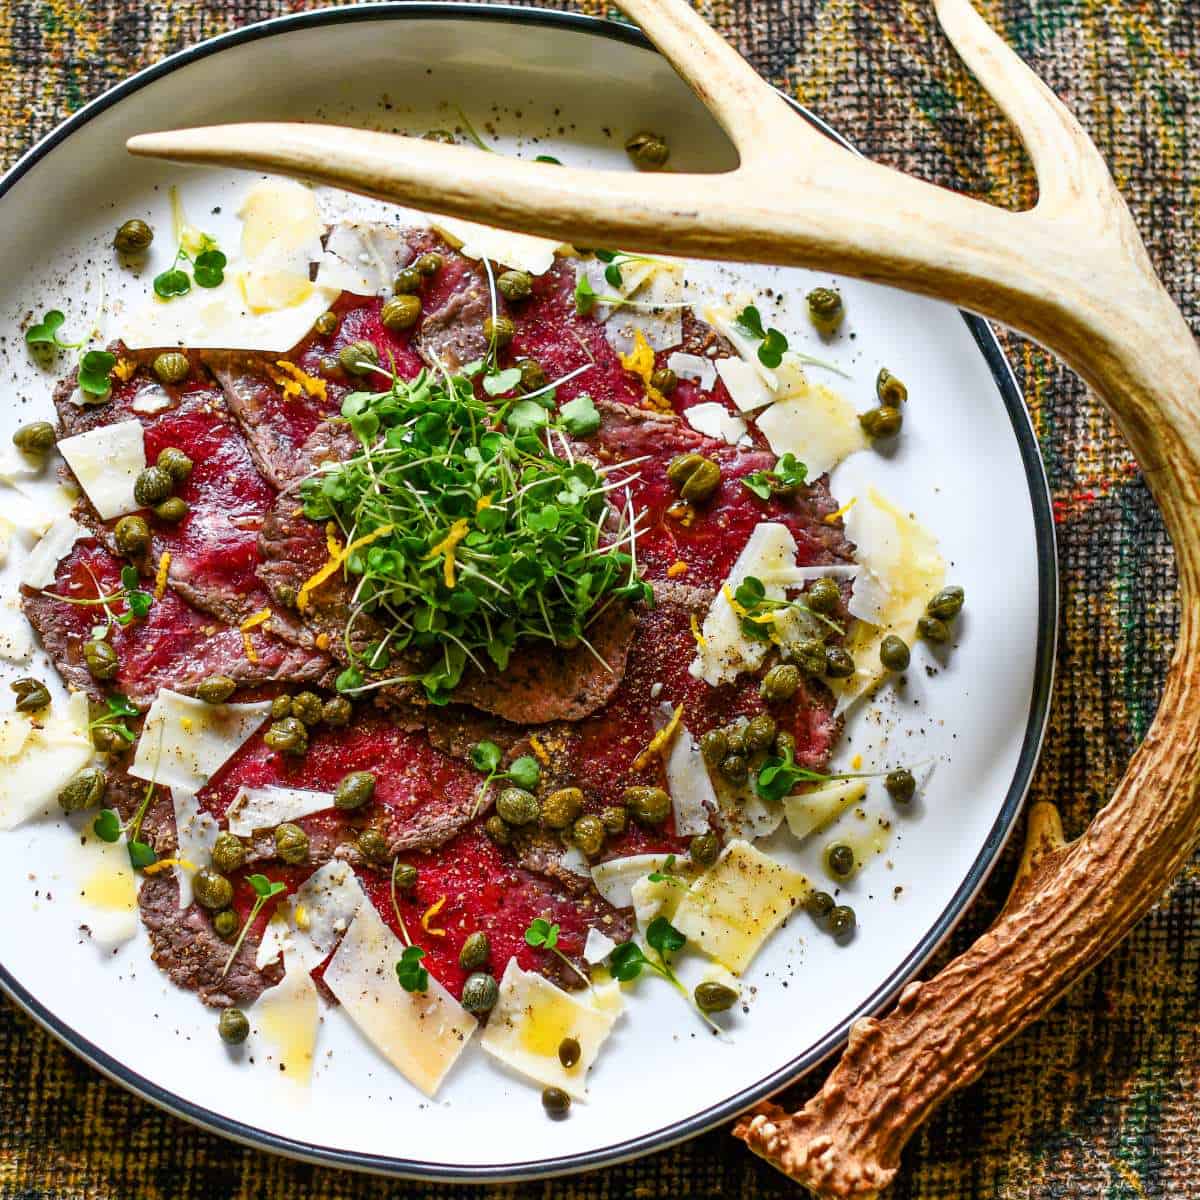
(1102, 1098)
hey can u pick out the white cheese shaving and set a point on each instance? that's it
(363, 257)
(746, 387)
(107, 461)
(614, 879)
(693, 366)
(275, 939)
(520, 251)
(195, 835)
(727, 651)
(266, 807)
(818, 426)
(107, 889)
(15, 466)
(691, 789)
(420, 1033)
(151, 398)
(732, 909)
(657, 315)
(15, 729)
(816, 810)
(16, 634)
(185, 741)
(714, 420)
(322, 909)
(597, 947)
(287, 1017)
(35, 514)
(41, 566)
(281, 235)
(654, 898)
(722, 317)
(529, 1022)
(49, 756)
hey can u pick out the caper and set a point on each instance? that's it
(881, 422)
(171, 366)
(233, 1025)
(780, 683)
(713, 746)
(516, 806)
(288, 736)
(664, 380)
(307, 707)
(405, 876)
(735, 768)
(480, 992)
(107, 740)
(400, 312)
(175, 463)
(326, 324)
(228, 852)
(407, 282)
(809, 655)
(354, 790)
(291, 843)
(172, 509)
(648, 151)
(891, 392)
(358, 358)
(823, 597)
(838, 663)
(842, 921)
(216, 689)
(839, 858)
(85, 789)
(735, 738)
(569, 1052)
(440, 135)
(947, 604)
(101, 659)
(498, 830)
(37, 438)
(784, 745)
(933, 630)
(500, 331)
(533, 377)
(131, 534)
(826, 310)
(649, 805)
(515, 285)
(713, 997)
(151, 486)
(475, 952)
(694, 476)
(614, 819)
(429, 263)
(900, 784)
(894, 653)
(819, 905)
(588, 834)
(373, 846)
(281, 707)
(133, 237)
(31, 694)
(561, 807)
(704, 849)
(226, 924)
(760, 732)
(337, 712)
(211, 889)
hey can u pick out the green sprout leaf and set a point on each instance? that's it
(525, 772)
(585, 296)
(265, 888)
(612, 273)
(485, 756)
(412, 976)
(541, 933)
(579, 417)
(779, 775)
(264, 891)
(141, 855)
(548, 158)
(749, 320)
(626, 962)
(500, 382)
(170, 283)
(759, 483)
(349, 680)
(94, 368)
(771, 351)
(107, 826)
(665, 938)
(45, 332)
(787, 475)
(208, 269)
(120, 706)
(526, 416)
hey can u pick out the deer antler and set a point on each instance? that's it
(1072, 273)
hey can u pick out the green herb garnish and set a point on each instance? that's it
(485, 756)
(93, 375)
(107, 826)
(118, 707)
(140, 853)
(207, 262)
(413, 977)
(751, 595)
(543, 935)
(667, 874)
(779, 775)
(264, 890)
(467, 534)
(772, 343)
(45, 332)
(787, 474)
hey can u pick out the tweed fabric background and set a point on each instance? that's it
(1102, 1098)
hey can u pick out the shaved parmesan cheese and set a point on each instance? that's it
(15, 729)
(726, 651)
(732, 909)
(693, 366)
(42, 564)
(48, 758)
(275, 938)
(16, 634)
(818, 426)
(287, 1017)
(818, 809)
(266, 807)
(195, 835)
(281, 235)
(799, 576)
(363, 257)
(654, 898)
(107, 461)
(614, 879)
(520, 251)
(34, 514)
(151, 398)
(16, 466)
(185, 741)
(744, 813)
(745, 385)
(723, 317)
(107, 890)
(714, 420)
(598, 946)
(323, 908)
(692, 795)
(657, 314)
(901, 570)
(529, 1022)
(420, 1033)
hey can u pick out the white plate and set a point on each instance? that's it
(967, 466)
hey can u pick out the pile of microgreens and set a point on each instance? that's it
(481, 535)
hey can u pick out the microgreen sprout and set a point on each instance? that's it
(412, 976)
(207, 263)
(94, 366)
(118, 707)
(137, 602)
(141, 854)
(629, 960)
(757, 609)
(524, 771)
(543, 935)
(773, 345)
(586, 299)
(264, 890)
(44, 334)
(666, 874)
(787, 474)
